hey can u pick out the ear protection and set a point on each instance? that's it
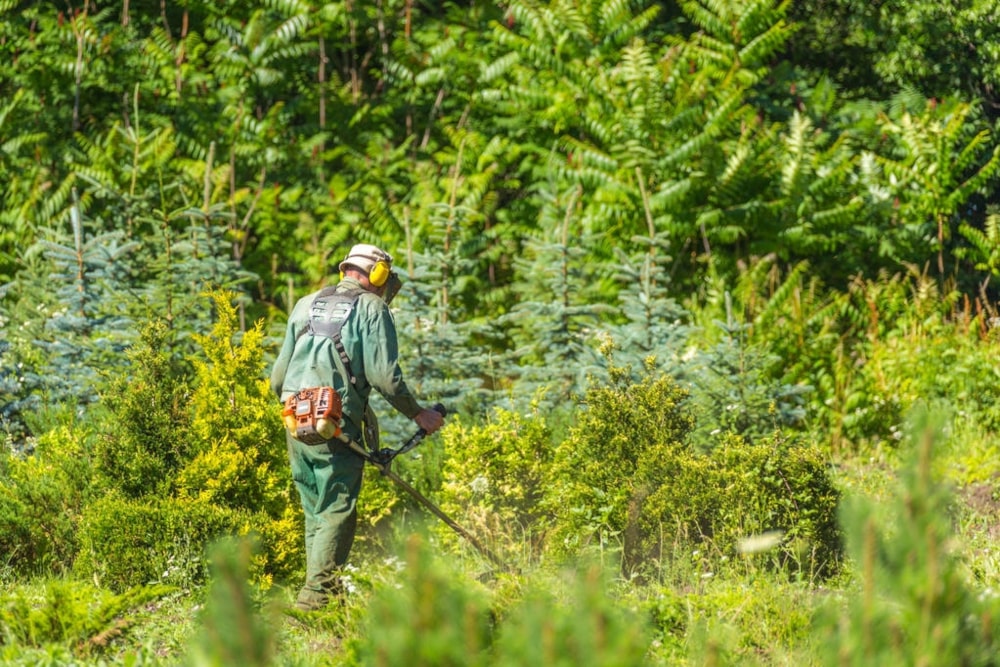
(379, 273)
(379, 260)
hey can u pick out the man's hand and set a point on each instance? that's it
(429, 420)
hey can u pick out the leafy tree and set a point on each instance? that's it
(941, 49)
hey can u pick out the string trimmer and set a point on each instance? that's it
(382, 460)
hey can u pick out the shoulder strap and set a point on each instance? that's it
(328, 314)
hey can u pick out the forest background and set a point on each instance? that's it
(707, 287)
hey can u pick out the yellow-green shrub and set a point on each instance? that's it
(127, 542)
(40, 499)
(742, 490)
(628, 478)
(495, 476)
(594, 487)
(237, 447)
(237, 439)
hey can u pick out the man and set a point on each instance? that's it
(343, 337)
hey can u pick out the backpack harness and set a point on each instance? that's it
(328, 315)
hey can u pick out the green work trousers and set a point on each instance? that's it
(328, 479)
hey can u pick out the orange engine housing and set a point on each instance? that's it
(313, 415)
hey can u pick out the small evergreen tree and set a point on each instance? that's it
(86, 328)
(238, 457)
(554, 325)
(146, 432)
(735, 387)
(655, 325)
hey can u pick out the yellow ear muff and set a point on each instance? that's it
(379, 273)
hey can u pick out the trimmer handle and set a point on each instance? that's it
(389, 454)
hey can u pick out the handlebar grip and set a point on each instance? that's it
(440, 409)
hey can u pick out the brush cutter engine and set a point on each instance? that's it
(313, 415)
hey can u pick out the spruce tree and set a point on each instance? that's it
(81, 281)
(736, 388)
(554, 326)
(655, 326)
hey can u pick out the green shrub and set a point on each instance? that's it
(77, 615)
(495, 476)
(914, 602)
(772, 489)
(580, 626)
(145, 438)
(127, 542)
(237, 439)
(779, 486)
(593, 490)
(431, 617)
(628, 477)
(41, 496)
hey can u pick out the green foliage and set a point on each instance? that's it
(83, 618)
(553, 324)
(548, 174)
(736, 388)
(238, 457)
(232, 629)
(405, 621)
(778, 486)
(41, 497)
(495, 477)
(186, 467)
(84, 331)
(628, 475)
(935, 163)
(874, 50)
(126, 542)
(578, 623)
(654, 325)
(594, 483)
(145, 439)
(914, 599)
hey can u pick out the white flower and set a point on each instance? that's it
(480, 485)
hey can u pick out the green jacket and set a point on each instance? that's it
(369, 338)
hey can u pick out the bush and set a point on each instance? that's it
(495, 477)
(126, 542)
(914, 602)
(629, 478)
(41, 496)
(238, 456)
(594, 485)
(145, 441)
(744, 490)
(429, 617)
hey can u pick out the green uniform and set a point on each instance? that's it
(328, 477)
